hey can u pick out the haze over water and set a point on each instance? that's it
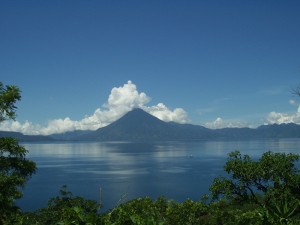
(177, 170)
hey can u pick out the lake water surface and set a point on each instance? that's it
(177, 170)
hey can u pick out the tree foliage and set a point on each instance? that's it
(9, 95)
(66, 209)
(272, 174)
(15, 169)
(272, 182)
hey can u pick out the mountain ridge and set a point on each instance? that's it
(138, 125)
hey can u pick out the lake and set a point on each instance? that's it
(177, 170)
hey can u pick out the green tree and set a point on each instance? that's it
(9, 95)
(272, 182)
(15, 169)
(66, 209)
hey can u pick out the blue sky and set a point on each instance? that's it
(213, 63)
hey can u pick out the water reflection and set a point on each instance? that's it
(178, 170)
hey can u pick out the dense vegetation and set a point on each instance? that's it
(266, 191)
(263, 191)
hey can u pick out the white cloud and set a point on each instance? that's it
(272, 118)
(164, 113)
(126, 97)
(275, 117)
(120, 101)
(26, 127)
(278, 118)
(220, 123)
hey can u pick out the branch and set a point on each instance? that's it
(254, 196)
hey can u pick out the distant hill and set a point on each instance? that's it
(70, 135)
(285, 130)
(289, 130)
(25, 138)
(138, 125)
